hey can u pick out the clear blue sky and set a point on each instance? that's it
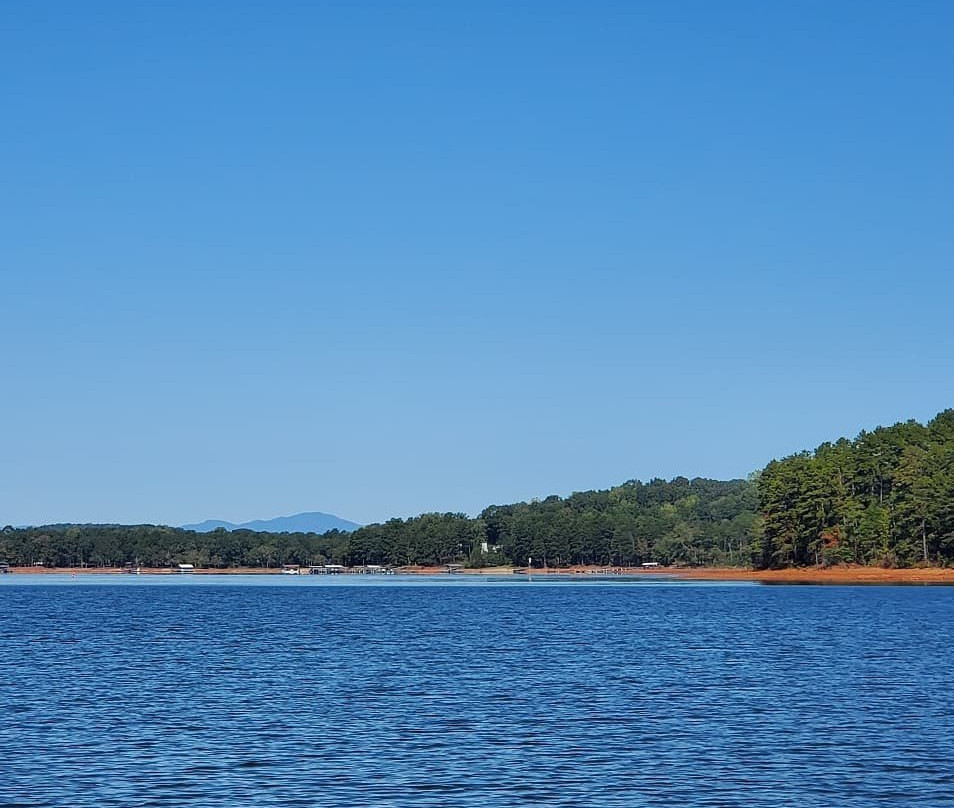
(379, 258)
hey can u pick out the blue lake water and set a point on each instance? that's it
(219, 691)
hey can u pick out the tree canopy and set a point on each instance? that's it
(886, 497)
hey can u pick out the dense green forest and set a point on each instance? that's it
(886, 497)
(682, 521)
(159, 546)
(678, 522)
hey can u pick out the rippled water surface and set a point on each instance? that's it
(223, 692)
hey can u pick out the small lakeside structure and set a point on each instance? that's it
(341, 569)
(326, 569)
(4, 568)
(184, 569)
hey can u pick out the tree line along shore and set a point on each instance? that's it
(883, 499)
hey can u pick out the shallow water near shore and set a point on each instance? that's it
(405, 692)
(351, 580)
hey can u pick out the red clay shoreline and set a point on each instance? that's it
(804, 575)
(826, 575)
(809, 575)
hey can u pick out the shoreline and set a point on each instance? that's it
(827, 575)
(848, 574)
(795, 575)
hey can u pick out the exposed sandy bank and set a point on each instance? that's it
(829, 575)
(808, 575)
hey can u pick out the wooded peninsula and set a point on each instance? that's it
(885, 498)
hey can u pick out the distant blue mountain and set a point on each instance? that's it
(209, 525)
(314, 522)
